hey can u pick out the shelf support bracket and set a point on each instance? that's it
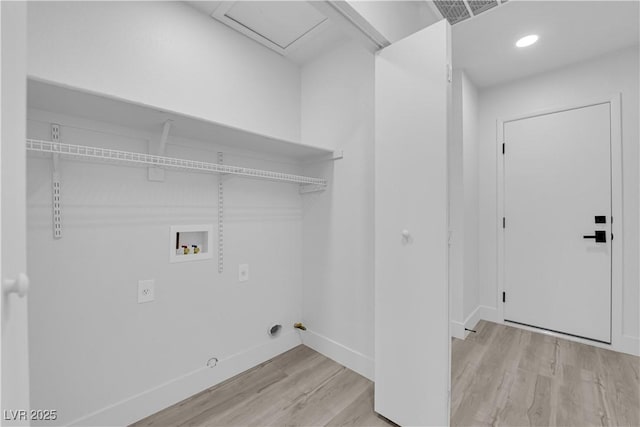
(220, 217)
(335, 155)
(156, 173)
(56, 202)
(311, 188)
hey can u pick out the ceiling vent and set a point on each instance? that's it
(459, 10)
(279, 25)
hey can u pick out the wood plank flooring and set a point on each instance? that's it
(512, 377)
(500, 376)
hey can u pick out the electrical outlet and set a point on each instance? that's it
(146, 291)
(243, 272)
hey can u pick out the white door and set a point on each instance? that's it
(557, 170)
(13, 308)
(411, 290)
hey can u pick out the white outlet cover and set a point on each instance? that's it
(146, 291)
(243, 272)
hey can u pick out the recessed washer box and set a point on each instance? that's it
(191, 236)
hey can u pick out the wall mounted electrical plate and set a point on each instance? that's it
(191, 243)
(146, 291)
(243, 272)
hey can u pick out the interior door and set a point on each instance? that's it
(412, 94)
(13, 308)
(557, 185)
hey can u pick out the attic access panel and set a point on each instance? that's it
(279, 25)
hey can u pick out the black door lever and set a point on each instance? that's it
(600, 236)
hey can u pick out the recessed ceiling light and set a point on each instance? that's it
(527, 40)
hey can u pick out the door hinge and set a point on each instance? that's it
(504, 222)
(449, 73)
(504, 297)
(503, 148)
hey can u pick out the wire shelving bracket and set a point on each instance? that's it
(220, 218)
(56, 202)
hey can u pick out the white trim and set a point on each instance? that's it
(141, 405)
(630, 345)
(457, 330)
(472, 319)
(340, 353)
(359, 22)
(461, 329)
(619, 342)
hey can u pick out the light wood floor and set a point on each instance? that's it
(500, 376)
(512, 377)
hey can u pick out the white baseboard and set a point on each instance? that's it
(461, 329)
(488, 313)
(344, 355)
(457, 330)
(630, 345)
(153, 400)
(472, 319)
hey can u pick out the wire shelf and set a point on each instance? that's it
(141, 159)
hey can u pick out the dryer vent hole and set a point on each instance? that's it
(274, 330)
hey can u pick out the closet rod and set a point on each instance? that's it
(141, 159)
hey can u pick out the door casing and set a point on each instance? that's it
(616, 211)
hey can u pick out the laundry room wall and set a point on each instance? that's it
(98, 356)
(338, 287)
(166, 55)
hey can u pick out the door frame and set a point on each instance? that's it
(617, 246)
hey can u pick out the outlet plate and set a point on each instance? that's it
(146, 291)
(243, 272)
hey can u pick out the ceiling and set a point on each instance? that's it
(328, 37)
(570, 31)
(484, 45)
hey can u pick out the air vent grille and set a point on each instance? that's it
(479, 6)
(454, 10)
(460, 10)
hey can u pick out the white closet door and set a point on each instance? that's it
(13, 259)
(557, 191)
(411, 289)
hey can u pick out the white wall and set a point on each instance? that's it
(456, 209)
(86, 327)
(167, 55)
(92, 345)
(337, 113)
(394, 19)
(463, 205)
(470, 168)
(600, 77)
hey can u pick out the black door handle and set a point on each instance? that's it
(600, 236)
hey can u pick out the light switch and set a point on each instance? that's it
(146, 291)
(243, 272)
